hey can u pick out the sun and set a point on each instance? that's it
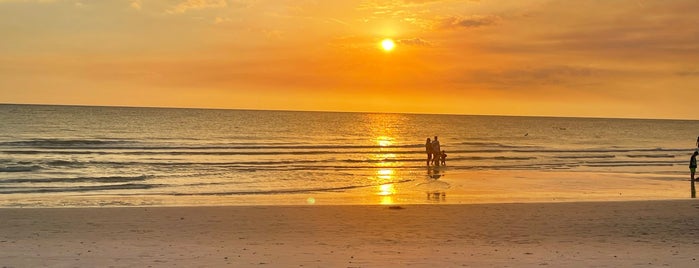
(388, 44)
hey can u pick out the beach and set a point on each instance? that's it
(572, 234)
(151, 187)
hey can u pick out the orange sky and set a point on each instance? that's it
(635, 58)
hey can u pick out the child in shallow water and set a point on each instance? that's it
(443, 158)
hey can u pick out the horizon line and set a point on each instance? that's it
(335, 111)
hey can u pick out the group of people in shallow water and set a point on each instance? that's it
(435, 154)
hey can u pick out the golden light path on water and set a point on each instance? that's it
(385, 175)
(382, 128)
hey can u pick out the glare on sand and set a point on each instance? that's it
(388, 44)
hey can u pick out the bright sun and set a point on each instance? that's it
(388, 44)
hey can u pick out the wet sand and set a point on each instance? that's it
(576, 234)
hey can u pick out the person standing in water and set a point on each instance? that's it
(692, 170)
(436, 151)
(428, 150)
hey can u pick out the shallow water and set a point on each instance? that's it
(86, 156)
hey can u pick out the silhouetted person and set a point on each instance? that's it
(443, 158)
(428, 150)
(692, 170)
(436, 151)
(693, 164)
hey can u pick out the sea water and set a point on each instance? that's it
(91, 156)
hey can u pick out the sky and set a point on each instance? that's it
(587, 58)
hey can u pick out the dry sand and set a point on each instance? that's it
(582, 234)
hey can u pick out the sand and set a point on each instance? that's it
(576, 234)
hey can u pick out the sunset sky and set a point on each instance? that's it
(600, 58)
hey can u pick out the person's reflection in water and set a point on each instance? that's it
(435, 191)
(433, 173)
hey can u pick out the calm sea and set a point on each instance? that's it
(69, 155)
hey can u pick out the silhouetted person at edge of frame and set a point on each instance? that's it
(436, 151)
(692, 170)
(428, 150)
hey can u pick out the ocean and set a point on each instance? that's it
(119, 156)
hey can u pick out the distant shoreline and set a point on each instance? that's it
(349, 112)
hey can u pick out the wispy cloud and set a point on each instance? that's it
(414, 42)
(135, 4)
(338, 21)
(196, 4)
(468, 22)
(518, 77)
(220, 20)
(34, 1)
(694, 72)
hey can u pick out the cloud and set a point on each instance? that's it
(338, 21)
(34, 1)
(220, 20)
(656, 36)
(420, 1)
(688, 73)
(414, 42)
(135, 4)
(196, 4)
(468, 22)
(532, 77)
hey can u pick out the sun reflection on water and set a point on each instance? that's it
(384, 141)
(386, 192)
(386, 200)
(385, 174)
(387, 189)
(382, 128)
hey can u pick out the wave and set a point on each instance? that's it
(651, 156)
(496, 144)
(36, 190)
(108, 179)
(115, 144)
(289, 191)
(177, 153)
(584, 156)
(628, 150)
(335, 150)
(500, 158)
(168, 166)
(65, 163)
(69, 143)
(628, 163)
(225, 153)
(304, 163)
(20, 168)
